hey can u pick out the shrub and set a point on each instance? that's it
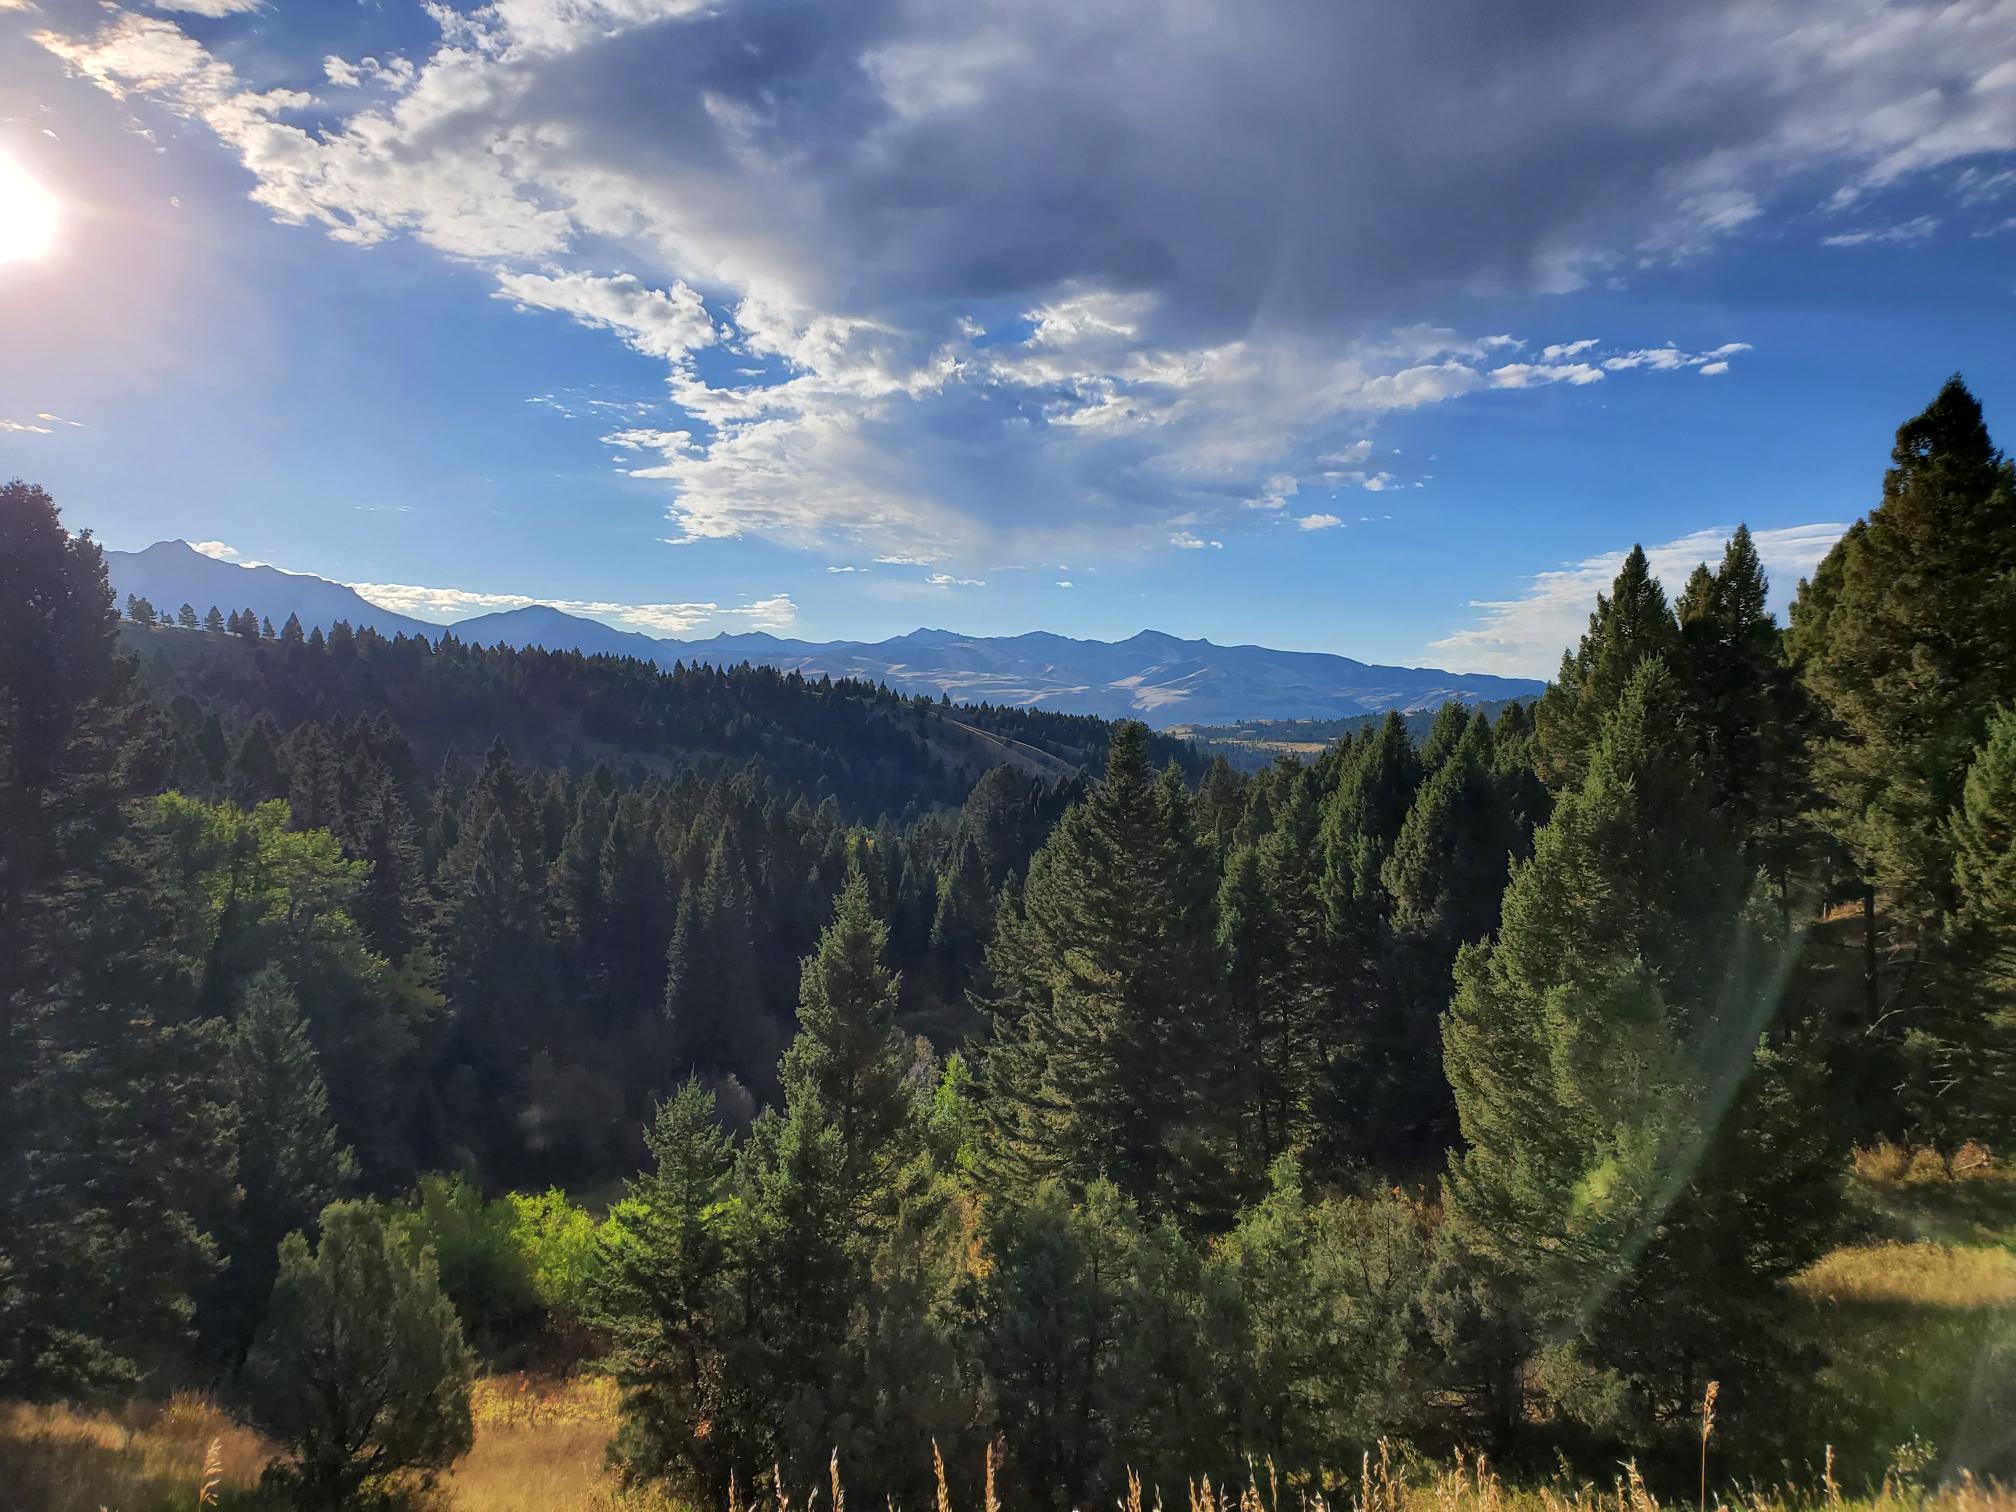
(359, 1369)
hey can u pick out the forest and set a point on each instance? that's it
(831, 1072)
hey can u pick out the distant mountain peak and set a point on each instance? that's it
(1153, 675)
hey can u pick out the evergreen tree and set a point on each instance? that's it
(1745, 708)
(963, 913)
(291, 1163)
(661, 1291)
(1907, 641)
(314, 794)
(1110, 1025)
(1632, 624)
(214, 621)
(186, 617)
(109, 1142)
(290, 633)
(1445, 874)
(248, 624)
(848, 1054)
(359, 1370)
(259, 775)
(1644, 1151)
(391, 908)
(266, 629)
(711, 997)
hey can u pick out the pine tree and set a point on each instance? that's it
(1110, 1022)
(214, 621)
(711, 995)
(848, 1054)
(1279, 988)
(186, 617)
(964, 910)
(1632, 624)
(1644, 1148)
(1907, 641)
(248, 624)
(290, 633)
(291, 1163)
(1446, 874)
(391, 908)
(314, 794)
(1963, 1059)
(259, 775)
(109, 1142)
(1745, 708)
(266, 629)
(661, 1292)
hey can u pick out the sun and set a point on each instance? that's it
(27, 215)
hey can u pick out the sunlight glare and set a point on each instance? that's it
(27, 215)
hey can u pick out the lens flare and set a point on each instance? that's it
(27, 216)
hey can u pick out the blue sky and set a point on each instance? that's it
(1383, 334)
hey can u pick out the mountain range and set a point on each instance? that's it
(1159, 678)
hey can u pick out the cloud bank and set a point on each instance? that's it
(934, 279)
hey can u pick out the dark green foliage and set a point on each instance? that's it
(359, 1370)
(848, 1059)
(213, 622)
(1645, 1154)
(1633, 623)
(186, 617)
(291, 1163)
(1912, 648)
(1110, 1034)
(110, 1142)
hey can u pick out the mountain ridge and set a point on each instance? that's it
(1153, 675)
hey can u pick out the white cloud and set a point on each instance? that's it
(1320, 522)
(1189, 541)
(656, 322)
(832, 211)
(947, 580)
(446, 605)
(846, 569)
(1066, 583)
(209, 8)
(24, 427)
(1525, 636)
(899, 560)
(215, 549)
(1919, 228)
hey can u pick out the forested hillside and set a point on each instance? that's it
(832, 1068)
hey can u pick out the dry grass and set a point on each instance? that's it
(539, 1446)
(56, 1459)
(1921, 1274)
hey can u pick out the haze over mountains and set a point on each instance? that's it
(1162, 679)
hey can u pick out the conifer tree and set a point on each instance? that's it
(1630, 625)
(359, 1369)
(963, 912)
(258, 774)
(1446, 874)
(1964, 1059)
(291, 1163)
(391, 907)
(711, 995)
(109, 1141)
(214, 621)
(248, 624)
(661, 1291)
(848, 1053)
(266, 629)
(290, 633)
(186, 617)
(1644, 1148)
(1110, 1020)
(1906, 639)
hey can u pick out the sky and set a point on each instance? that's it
(1379, 330)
